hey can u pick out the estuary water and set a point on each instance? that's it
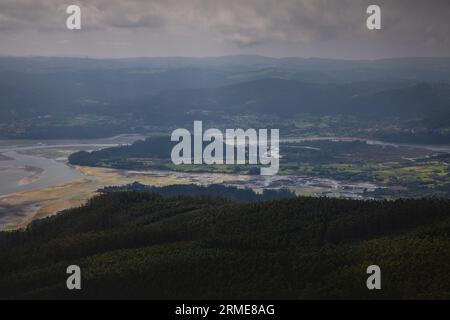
(50, 184)
(25, 172)
(21, 170)
(27, 165)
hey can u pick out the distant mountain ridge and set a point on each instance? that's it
(289, 97)
(79, 97)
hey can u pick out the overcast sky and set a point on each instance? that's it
(280, 28)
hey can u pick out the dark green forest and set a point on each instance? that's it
(143, 245)
(226, 192)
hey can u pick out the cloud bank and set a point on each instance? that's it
(280, 27)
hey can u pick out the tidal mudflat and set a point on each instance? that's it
(20, 208)
(37, 181)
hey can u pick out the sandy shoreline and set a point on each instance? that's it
(18, 209)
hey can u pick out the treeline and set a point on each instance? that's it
(139, 154)
(144, 245)
(156, 147)
(212, 191)
(153, 153)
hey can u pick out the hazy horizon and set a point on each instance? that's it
(218, 57)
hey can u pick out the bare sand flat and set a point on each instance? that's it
(36, 174)
(4, 158)
(17, 210)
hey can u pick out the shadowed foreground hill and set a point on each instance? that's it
(141, 245)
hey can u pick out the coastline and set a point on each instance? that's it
(19, 209)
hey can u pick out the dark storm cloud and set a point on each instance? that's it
(407, 24)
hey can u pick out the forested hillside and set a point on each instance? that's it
(143, 245)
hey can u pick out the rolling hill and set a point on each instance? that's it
(143, 245)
